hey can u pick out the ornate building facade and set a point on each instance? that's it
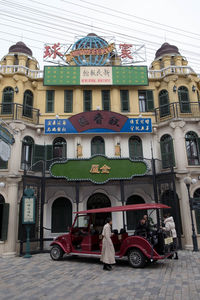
(171, 150)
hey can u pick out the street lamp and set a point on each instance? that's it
(188, 181)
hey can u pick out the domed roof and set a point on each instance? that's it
(166, 48)
(21, 48)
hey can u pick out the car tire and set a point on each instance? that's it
(56, 252)
(136, 258)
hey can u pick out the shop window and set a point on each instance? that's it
(61, 217)
(4, 215)
(105, 99)
(28, 104)
(59, 148)
(164, 103)
(134, 216)
(97, 145)
(167, 151)
(197, 212)
(184, 101)
(50, 101)
(135, 147)
(27, 152)
(146, 102)
(192, 148)
(68, 102)
(7, 101)
(124, 96)
(87, 99)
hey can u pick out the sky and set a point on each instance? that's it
(144, 22)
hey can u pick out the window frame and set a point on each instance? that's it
(104, 100)
(8, 104)
(167, 156)
(51, 101)
(136, 145)
(98, 146)
(87, 101)
(68, 101)
(124, 101)
(195, 139)
(148, 102)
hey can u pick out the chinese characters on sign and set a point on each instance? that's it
(97, 122)
(96, 75)
(28, 210)
(129, 53)
(104, 170)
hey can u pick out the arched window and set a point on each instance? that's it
(167, 151)
(97, 145)
(197, 212)
(133, 216)
(7, 100)
(135, 147)
(61, 217)
(184, 101)
(27, 152)
(28, 104)
(59, 148)
(192, 148)
(164, 103)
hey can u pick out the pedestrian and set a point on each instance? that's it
(108, 251)
(170, 226)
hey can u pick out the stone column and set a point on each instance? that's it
(12, 191)
(185, 215)
(179, 146)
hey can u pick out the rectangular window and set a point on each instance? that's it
(105, 99)
(68, 103)
(87, 98)
(146, 102)
(50, 101)
(124, 95)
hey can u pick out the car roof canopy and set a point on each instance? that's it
(143, 206)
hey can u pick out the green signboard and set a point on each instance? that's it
(98, 169)
(102, 75)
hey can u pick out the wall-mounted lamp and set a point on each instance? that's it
(2, 184)
(57, 116)
(16, 90)
(193, 88)
(174, 88)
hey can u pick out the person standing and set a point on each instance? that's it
(108, 251)
(170, 226)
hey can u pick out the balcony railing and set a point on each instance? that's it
(34, 74)
(15, 111)
(170, 71)
(177, 110)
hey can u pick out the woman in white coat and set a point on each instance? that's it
(170, 226)
(108, 251)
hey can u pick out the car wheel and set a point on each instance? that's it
(136, 258)
(56, 252)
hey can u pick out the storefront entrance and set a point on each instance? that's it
(99, 200)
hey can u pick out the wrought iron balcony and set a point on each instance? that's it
(177, 110)
(15, 111)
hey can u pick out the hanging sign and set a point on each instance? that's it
(98, 169)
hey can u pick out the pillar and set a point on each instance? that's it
(179, 146)
(12, 199)
(185, 215)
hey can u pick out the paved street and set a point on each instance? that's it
(83, 279)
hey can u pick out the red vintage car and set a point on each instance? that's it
(84, 239)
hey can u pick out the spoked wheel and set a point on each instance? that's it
(136, 258)
(56, 252)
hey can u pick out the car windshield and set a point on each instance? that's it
(82, 221)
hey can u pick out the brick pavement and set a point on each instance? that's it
(83, 279)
